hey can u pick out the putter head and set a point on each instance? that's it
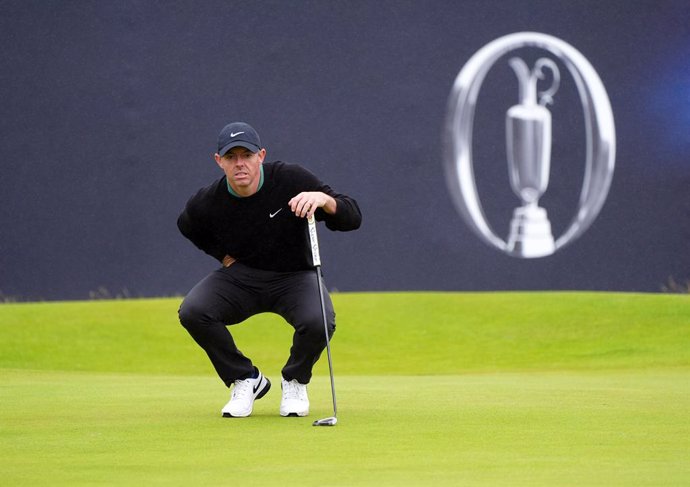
(326, 421)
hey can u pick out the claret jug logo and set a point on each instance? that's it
(528, 143)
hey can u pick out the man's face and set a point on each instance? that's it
(242, 168)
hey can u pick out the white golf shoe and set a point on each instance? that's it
(295, 401)
(244, 393)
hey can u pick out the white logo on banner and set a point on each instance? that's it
(528, 143)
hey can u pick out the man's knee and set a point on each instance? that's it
(192, 315)
(312, 326)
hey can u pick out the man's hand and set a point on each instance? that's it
(306, 203)
(228, 261)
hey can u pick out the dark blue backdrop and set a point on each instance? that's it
(110, 111)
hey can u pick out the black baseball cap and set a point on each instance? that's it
(238, 134)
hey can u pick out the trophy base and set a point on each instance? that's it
(530, 233)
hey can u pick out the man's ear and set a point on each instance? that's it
(262, 155)
(217, 158)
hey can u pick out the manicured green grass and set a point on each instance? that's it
(433, 389)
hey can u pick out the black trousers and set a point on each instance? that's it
(230, 295)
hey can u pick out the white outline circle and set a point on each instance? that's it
(599, 127)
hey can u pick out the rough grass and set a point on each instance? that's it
(433, 389)
(378, 333)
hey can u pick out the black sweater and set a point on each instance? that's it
(260, 230)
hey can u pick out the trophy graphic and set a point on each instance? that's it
(528, 144)
(528, 134)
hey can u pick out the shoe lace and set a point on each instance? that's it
(242, 389)
(295, 390)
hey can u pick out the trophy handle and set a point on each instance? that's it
(527, 80)
(546, 96)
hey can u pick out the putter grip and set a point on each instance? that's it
(314, 240)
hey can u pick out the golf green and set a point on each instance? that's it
(433, 389)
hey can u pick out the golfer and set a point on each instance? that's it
(253, 220)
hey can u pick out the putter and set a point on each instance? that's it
(313, 238)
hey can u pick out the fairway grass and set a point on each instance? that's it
(433, 389)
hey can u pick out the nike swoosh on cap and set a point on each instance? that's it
(235, 134)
